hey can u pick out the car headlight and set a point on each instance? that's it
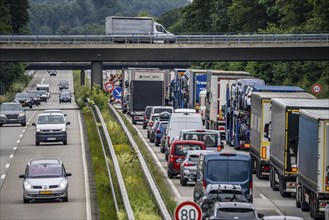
(2, 115)
(63, 184)
(27, 185)
(21, 114)
(63, 129)
(38, 130)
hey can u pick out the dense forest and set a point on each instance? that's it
(183, 17)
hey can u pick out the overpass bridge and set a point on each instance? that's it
(185, 48)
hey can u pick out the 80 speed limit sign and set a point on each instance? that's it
(316, 88)
(188, 211)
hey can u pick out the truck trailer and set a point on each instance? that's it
(137, 30)
(260, 138)
(284, 141)
(146, 87)
(312, 190)
(217, 83)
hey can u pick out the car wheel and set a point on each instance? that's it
(0, 125)
(162, 150)
(65, 199)
(26, 200)
(65, 142)
(170, 175)
(23, 124)
(152, 139)
(37, 143)
(144, 126)
(157, 143)
(184, 182)
(134, 122)
(30, 106)
(70, 101)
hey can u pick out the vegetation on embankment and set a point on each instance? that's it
(142, 201)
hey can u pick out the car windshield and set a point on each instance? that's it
(235, 213)
(45, 170)
(42, 92)
(33, 94)
(181, 149)
(50, 119)
(11, 107)
(22, 95)
(65, 94)
(63, 83)
(228, 170)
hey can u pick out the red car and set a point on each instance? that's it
(177, 152)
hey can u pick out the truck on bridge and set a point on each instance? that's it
(137, 30)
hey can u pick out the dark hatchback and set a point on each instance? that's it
(24, 99)
(63, 84)
(12, 113)
(65, 97)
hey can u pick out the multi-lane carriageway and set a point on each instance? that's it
(17, 147)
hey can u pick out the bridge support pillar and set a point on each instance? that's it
(96, 73)
(82, 77)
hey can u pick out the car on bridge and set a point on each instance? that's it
(45, 178)
(12, 113)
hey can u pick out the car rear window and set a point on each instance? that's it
(160, 110)
(181, 149)
(210, 140)
(164, 125)
(228, 170)
(194, 158)
(236, 213)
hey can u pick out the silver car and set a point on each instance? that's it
(45, 179)
(188, 167)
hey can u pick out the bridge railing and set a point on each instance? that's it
(175, 39)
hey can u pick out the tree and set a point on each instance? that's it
(5, 17)
(19, 15)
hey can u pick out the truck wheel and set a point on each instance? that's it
(254, 164)
(274, 184)
(314, 206)
(281, 188)
(298, 196)
(258, 171)
(303, 205)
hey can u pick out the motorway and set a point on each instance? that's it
(17, 147)
(266, 201)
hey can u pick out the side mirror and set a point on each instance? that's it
(68, 174)
(33, 124)
(68, 123)
(22, 176)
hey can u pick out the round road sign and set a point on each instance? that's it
(109, 86)
(188, 211)
(316, 88)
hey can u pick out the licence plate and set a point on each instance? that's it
(138, 117)
(46, 192)
(51, 139)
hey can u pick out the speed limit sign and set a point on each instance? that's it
(188, 211)
(109, 86)
(316, 88)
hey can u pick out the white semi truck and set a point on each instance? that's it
(137, 30)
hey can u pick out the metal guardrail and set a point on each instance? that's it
(156, 193)
(176, 39)
(123, 190)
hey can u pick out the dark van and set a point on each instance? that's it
(223, 168)
(177, 153)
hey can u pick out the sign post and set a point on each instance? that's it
(188, 211)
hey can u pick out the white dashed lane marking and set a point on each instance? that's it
(15, 148)
(7, 165)
(3, 176)
(11, 155)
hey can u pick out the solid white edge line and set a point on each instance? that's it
(85, 170)
(279, 212)
(171, 183)
(263, 197)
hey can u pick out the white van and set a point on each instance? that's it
(182, 121)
